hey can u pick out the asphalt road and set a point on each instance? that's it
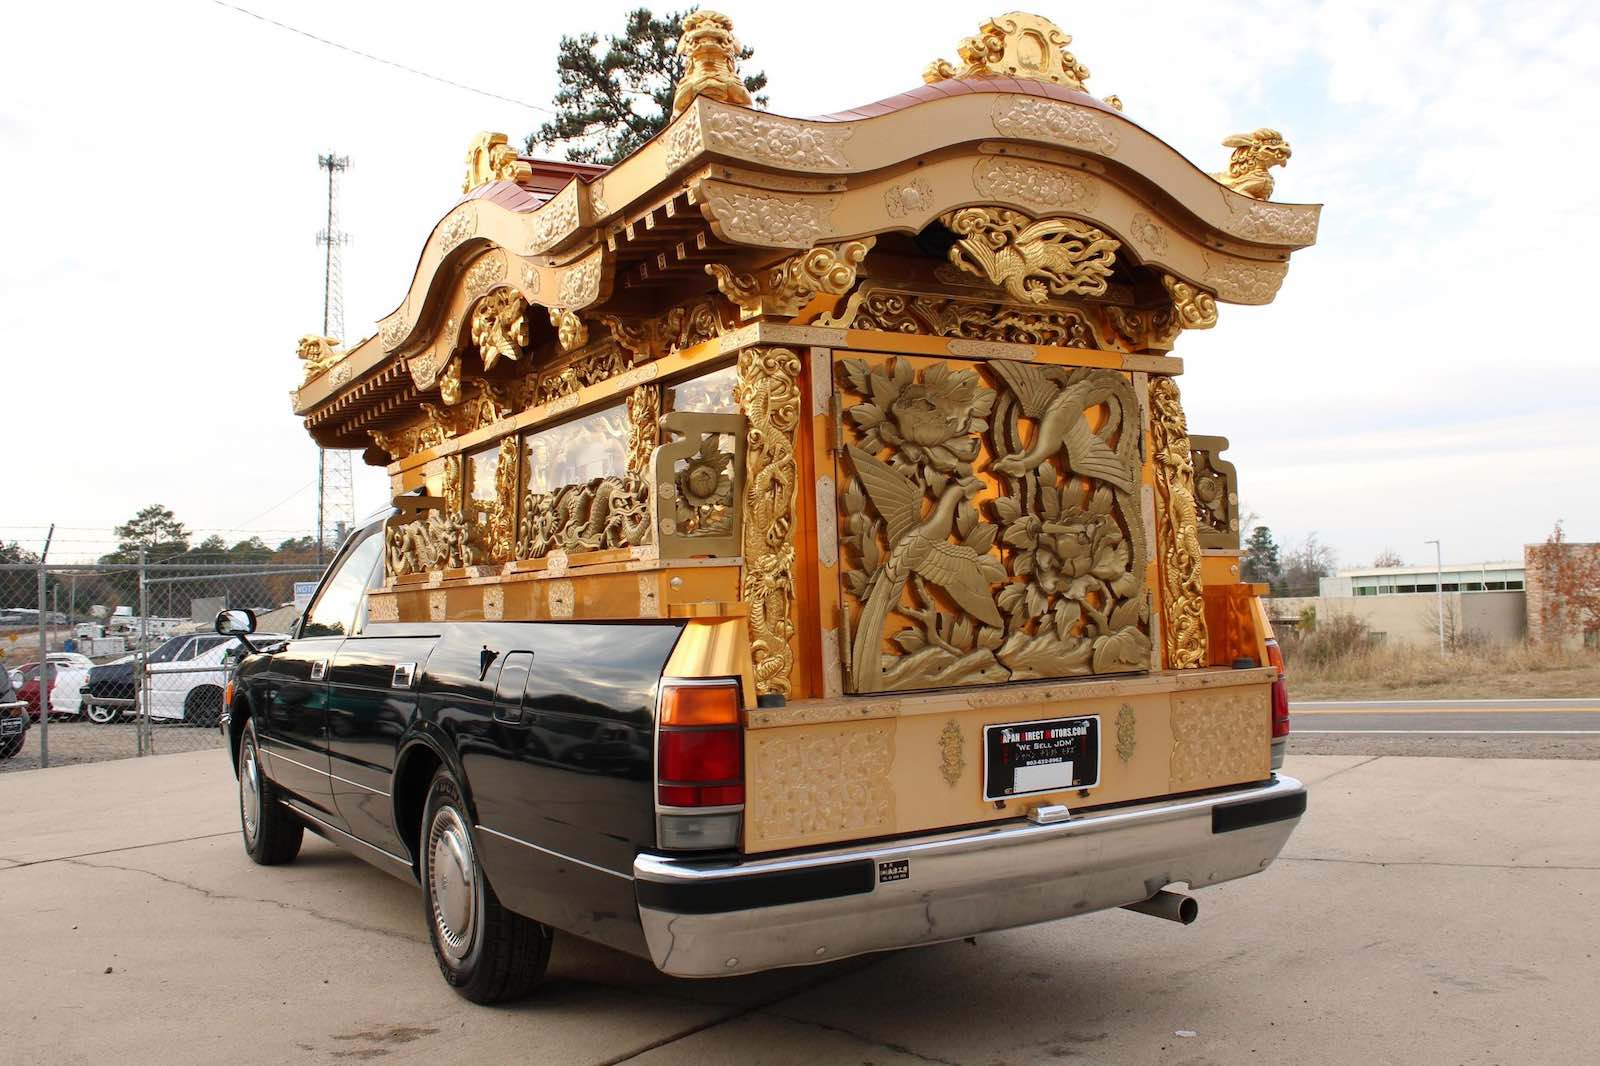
(1565, 728)
(1427, 912)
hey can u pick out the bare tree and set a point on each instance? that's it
(1305, 564)
(1387, 557)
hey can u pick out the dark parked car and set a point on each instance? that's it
(14, 723)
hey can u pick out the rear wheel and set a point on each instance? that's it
(203, 706)
(485, 952)
(272, 835)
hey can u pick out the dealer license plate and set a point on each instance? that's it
(10, 727)
(1027, 758)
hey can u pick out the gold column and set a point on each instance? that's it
(768, 393)
(1177, 531)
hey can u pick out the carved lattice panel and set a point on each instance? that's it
(989, 527)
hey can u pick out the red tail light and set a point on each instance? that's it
(700, 747)
(1280, 692)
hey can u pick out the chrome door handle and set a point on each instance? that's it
(319, 669)
(405, 675)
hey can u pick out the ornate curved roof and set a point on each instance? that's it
(726, 184)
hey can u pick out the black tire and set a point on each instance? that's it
(486, 953)
(272, 834)
(203, 706)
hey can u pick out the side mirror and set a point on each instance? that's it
(237, 622)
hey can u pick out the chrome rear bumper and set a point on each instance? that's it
(712, 919)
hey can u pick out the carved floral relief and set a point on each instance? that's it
(990, 524)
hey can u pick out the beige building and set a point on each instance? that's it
(1401, 603)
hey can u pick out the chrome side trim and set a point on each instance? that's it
(358, 784)
(274, 755)
(302, 812)
(552, 854)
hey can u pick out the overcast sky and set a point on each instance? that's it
(1428, 370)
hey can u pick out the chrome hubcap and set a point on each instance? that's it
(249, 792)
(452, 883)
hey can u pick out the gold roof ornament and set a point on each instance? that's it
(318, 353)
(1253, 155)
(1015, 45)
(713, 54)
(491, 158)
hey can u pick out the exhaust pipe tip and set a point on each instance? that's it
(1173, 906)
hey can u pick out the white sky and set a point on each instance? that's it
(1428, 370)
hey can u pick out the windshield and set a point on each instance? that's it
(168, 650)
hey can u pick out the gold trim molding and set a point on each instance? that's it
(768, 392)
(1177, 534)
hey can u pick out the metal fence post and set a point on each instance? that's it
(44, 673)
(141, 706)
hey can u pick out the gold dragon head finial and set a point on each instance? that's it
(491, 158)
(318, 353)
(1253, 155)
(713, 68)
(1015, 45)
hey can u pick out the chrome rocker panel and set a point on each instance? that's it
(702, 919)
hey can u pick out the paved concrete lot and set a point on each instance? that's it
(74, 741)
(1428, 911)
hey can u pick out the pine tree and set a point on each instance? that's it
(612, 101)
(1261, 562)
(155, 529)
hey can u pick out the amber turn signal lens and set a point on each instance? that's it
(227, 694)
(684, 705)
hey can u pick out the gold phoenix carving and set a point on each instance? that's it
(1177, 535)
(786, 288)
(712, 56)
(1254, 154)
(1062, 540)
(1031, 260)
(500, 326)
(768, 392)
(491, 158)
(1015, 45)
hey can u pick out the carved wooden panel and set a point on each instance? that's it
(697, 476)
(822, 782)
(1220, 737)
(1216, 493)
(990, 528)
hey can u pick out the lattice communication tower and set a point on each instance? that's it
(336, 498)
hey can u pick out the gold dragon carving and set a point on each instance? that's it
(491, 158)
(644, 408)
(768, 392)
(1177, 535)
(786, 288)
(712, 56)
(1254, 154)
(1016, 45)
(1031, 260)
(1062, 539)
(432, 538)
(607, 512)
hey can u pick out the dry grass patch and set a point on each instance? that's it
(1337, 661)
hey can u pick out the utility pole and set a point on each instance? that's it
(335, 481)
(1438, 588)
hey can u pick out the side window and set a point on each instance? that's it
(186, 652)
(333, 614)
(374, 581)
(710, 394)
(205, 644)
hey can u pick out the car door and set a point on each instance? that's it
(166, 685)
(295, 733)
(372, 698)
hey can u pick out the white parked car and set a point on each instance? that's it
(188, 686)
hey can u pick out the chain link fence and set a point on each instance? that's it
(115, 660)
